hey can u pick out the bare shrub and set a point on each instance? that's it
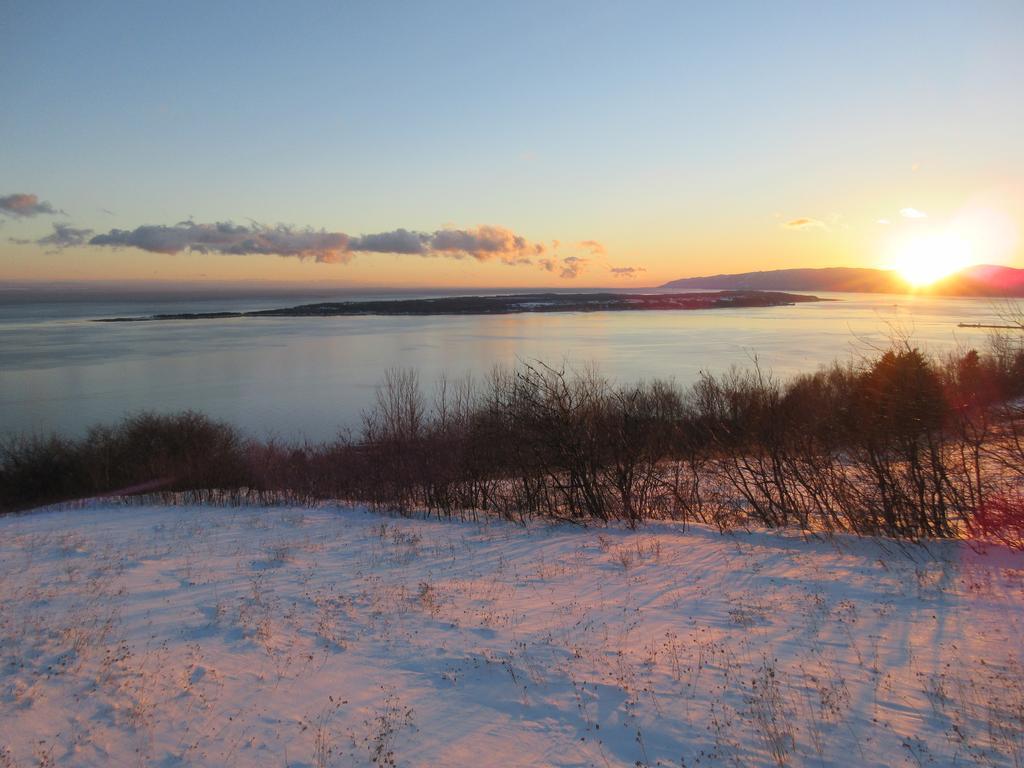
(37, 470)
(903, 445)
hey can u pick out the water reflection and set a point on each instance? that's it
(310, 376)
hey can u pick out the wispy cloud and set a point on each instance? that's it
(65, 236)
(912, 213)
(567, 268)
(805, 223)
(626, 271)
(24, 205)
(572, 266)
(593, 246)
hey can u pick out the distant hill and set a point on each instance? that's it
(984, 280)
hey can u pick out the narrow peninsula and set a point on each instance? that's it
(509, 304)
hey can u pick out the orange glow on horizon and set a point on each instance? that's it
(926, 259)
(974, 236)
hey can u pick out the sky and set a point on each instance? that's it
(505, 144)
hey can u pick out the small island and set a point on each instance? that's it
(510, 304)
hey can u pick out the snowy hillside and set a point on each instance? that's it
(296, 637)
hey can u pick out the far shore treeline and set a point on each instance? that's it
(903, 444)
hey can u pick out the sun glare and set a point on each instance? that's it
(927, 258)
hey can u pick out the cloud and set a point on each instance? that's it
(805, 223)
(626, 271)
(884, 222)
(225, 237)
(572, 266)
(568, 268)
(595, 248)
(484, 243)
(399, 241)
(24, 205)
(516, 261)
(65, 236)
(912, 213)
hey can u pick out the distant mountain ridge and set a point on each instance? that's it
(982, 280)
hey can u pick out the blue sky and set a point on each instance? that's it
(676, 134)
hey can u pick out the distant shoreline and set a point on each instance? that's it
(505, 305)
(988, 325)
(981, 280)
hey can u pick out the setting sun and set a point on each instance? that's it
(927, 258)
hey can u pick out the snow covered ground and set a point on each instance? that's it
(296, 637)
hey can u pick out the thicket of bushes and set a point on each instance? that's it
(902, 445)
(146, 452)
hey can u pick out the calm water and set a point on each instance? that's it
(308, 377)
